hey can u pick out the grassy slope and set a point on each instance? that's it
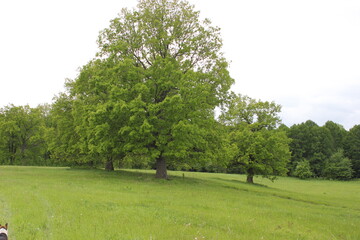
(59, 203)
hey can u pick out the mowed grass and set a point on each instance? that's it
(63, 203)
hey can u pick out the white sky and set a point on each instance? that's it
(304, 55)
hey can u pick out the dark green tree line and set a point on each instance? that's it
(22, 135)
(323, 149)
(352, 148)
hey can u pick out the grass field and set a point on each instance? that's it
(63, 203)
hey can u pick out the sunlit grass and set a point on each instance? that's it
(62, 203)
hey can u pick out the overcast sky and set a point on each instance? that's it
(303, 54)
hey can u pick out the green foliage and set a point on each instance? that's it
(22, 132)
(352, 149)
(133, 161)
(263, 152)
(338, 134)
(338, 167)
(303, 170)
(243, 109)
(311, 142)
(260, 148)
(61, 136)
(153, 87)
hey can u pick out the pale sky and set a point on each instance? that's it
(303, 54)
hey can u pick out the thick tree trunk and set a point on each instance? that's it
(250, 176)
(161, 171)
(250, 179)
(109, 166)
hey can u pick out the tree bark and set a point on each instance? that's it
(250, 176)
(250, 179)
(161, 171)
(12, 150)
(109, 166)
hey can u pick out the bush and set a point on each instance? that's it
(338, 167)
(303, 170)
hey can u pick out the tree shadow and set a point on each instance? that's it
(242, 183)
(137, 175)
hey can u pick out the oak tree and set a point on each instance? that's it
(261, 148)
(154, 84)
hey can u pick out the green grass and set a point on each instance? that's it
(62, 203)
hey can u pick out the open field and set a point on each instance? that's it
(63, 203)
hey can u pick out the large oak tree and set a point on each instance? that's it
(154, 85)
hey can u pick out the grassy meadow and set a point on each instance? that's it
(63, 203)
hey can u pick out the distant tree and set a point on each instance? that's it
(323, 149)
(338, 134)
(352, 149)
(61, 136)
(261, 149)
(338, 167)
(303, 170)
(22, 135)
(311, 142)
(283, 127)
(161, 73)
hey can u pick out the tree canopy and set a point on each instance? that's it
(310, 142)
(154, 85)
(260, 148)
(22, 134)
(352, 148)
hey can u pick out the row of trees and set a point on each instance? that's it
(148, 100)
(328, 151)
(22, 135)
(246, 138)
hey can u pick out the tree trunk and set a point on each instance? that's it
(109, 166)
(161, 171)
(250, 176)
(250, 179)
(12, 150)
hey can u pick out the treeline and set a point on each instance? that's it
(50, 135)
(327, 151)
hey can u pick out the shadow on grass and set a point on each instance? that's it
(137, 175)
(149, 175)
(241, 182)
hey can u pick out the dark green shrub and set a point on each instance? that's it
(303, 170)
(338, 167)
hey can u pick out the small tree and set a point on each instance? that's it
(303, 170)
(338, 167)
(261, 148)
